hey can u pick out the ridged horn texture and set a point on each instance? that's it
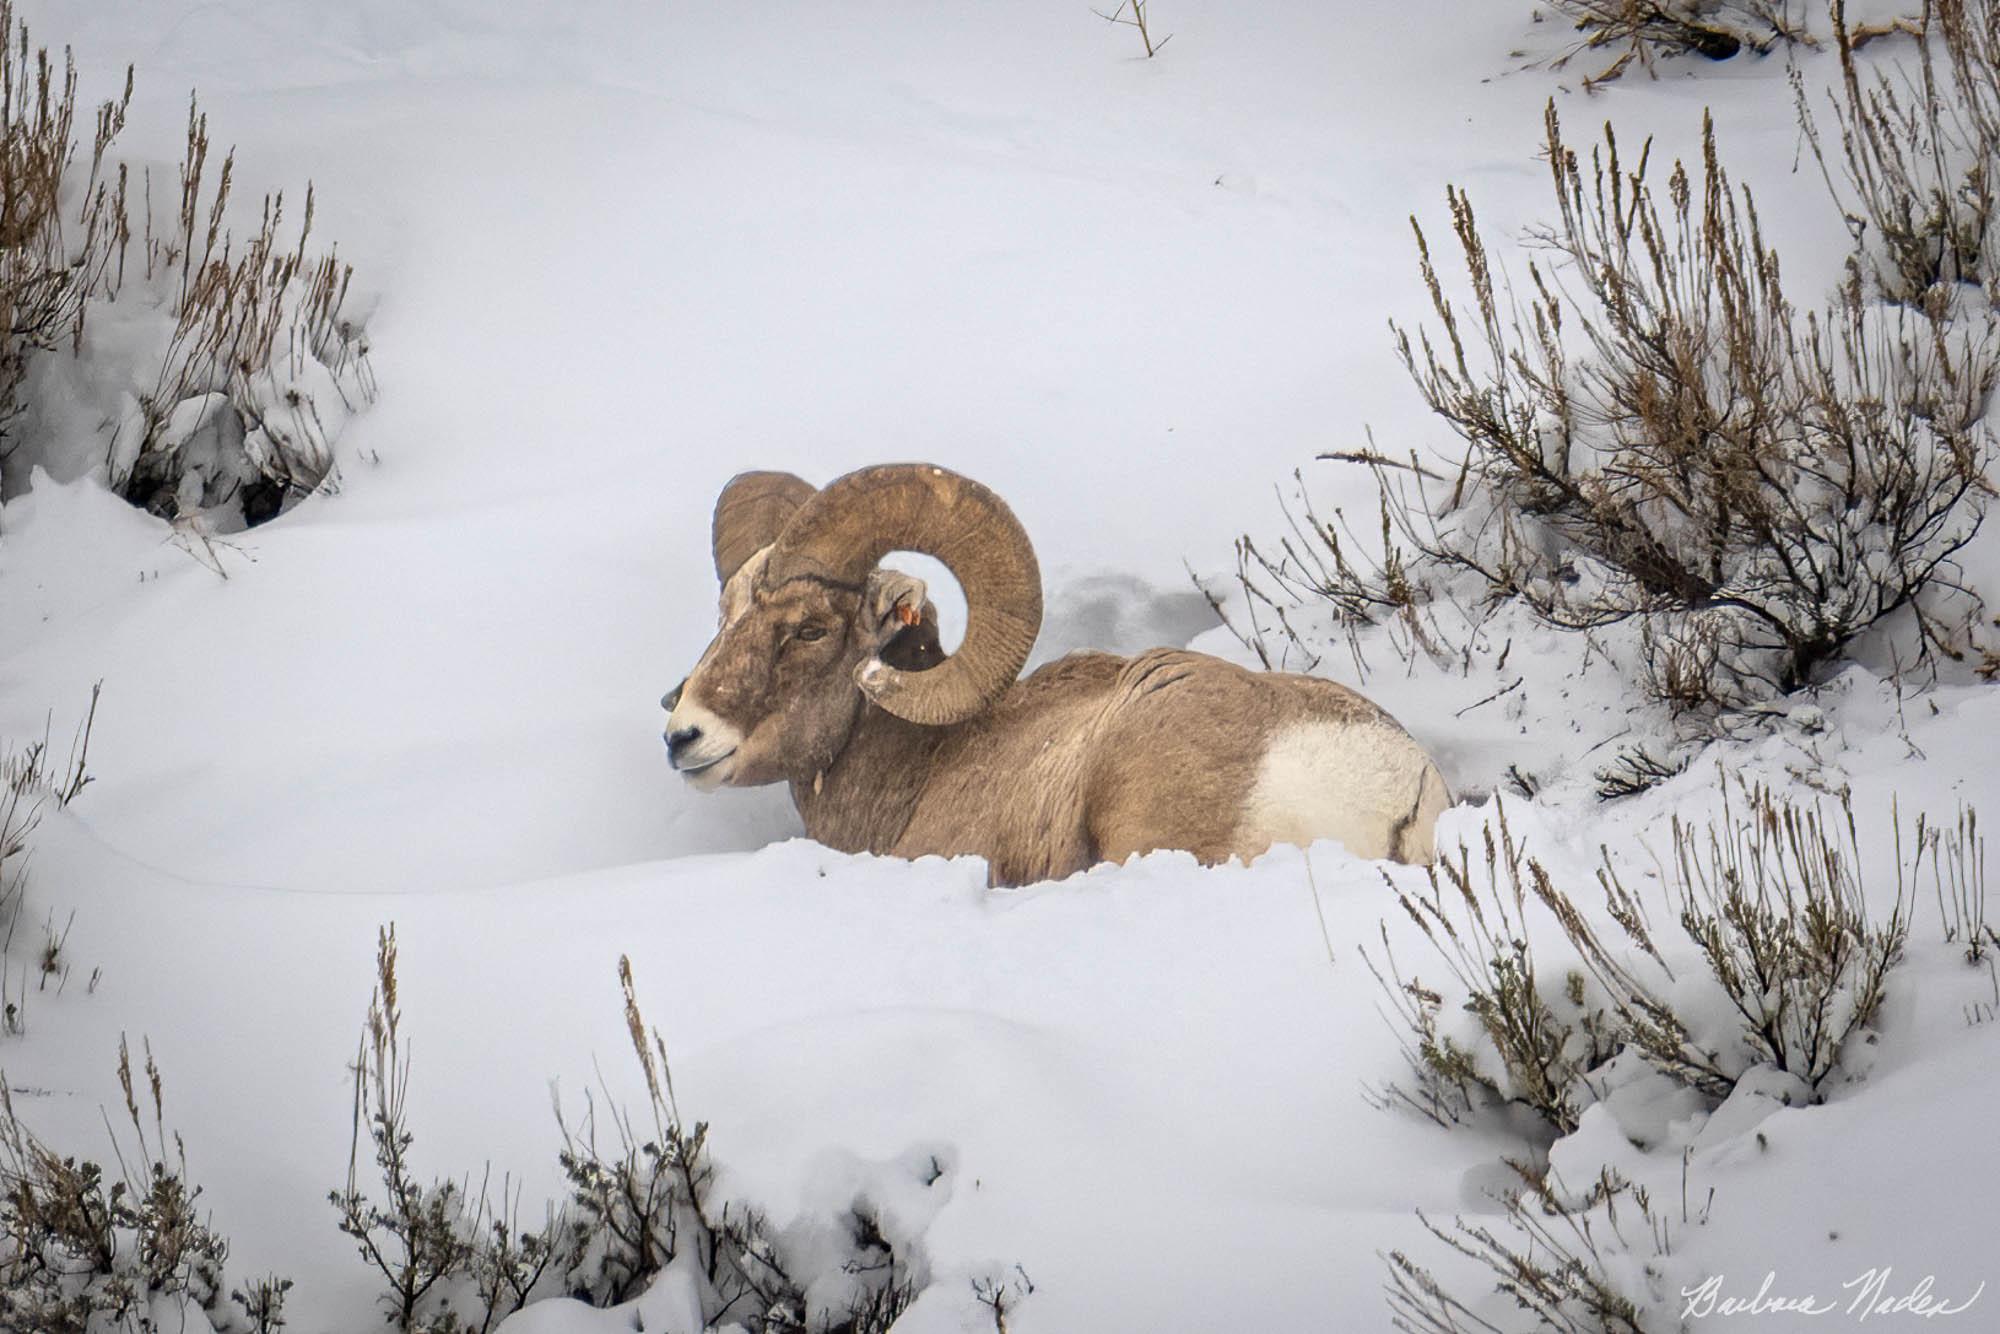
(750, 513)
(841, 534)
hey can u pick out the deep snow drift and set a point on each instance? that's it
(614, 253)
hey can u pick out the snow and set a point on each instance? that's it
(610, 254)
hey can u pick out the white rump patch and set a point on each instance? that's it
(1355, 782)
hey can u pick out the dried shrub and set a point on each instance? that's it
(58, 247)
(647, 1204)
(417, 1236)
(1545, 1044)
(1646, 30)
(1001, 1293)
(1548, 1258)
(1919, 153)
(1661, 438)
(1769, 902)
(640, 1205)
(29, 779)
(1772, 899)
(232, 418)
(1958, 875)
(84, 1249)
(224, 417)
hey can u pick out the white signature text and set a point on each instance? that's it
(1866, 1294)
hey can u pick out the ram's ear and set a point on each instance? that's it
(903, 622)
(892, 603)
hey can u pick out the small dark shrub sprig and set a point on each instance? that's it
(415, 1236)
(29, 780)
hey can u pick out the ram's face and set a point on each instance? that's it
(813, 631)
(774, 697)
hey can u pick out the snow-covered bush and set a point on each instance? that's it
(1661, 439)
(1547, 1256)
(203, 377)
(1772, 900)
(258, 370)
(84, 1249)
(648, 1207)
(1533, 1025)
(1778, 964)
(642, 1213)
(49, 271)
(417, 1237)
(1644, 30)
(1919, 155)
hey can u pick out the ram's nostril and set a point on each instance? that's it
(679, 741)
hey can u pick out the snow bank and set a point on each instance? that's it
(619, 252)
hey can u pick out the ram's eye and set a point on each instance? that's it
(808, 633)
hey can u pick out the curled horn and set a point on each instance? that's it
(844, 530)
(750, 513)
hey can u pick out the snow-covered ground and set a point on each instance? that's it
(612, 253)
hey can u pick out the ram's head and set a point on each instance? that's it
(812, 629)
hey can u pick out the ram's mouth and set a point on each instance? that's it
(707, 773)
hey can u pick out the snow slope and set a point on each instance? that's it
(613, 253)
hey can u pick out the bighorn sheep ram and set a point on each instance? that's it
(827, 673)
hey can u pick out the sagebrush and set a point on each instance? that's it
(1643, 31)
(85, 1249)
(1548, 1254)
(31, 779)
(1660, 437)
(1778, 966)
(1918, 154)
(1775, 929)
(60, 246)
(1533, 1024)
(641, 1203)
(246, 362)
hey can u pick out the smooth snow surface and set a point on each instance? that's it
(611, 254)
